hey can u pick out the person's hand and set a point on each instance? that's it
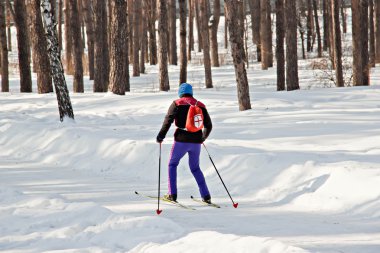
(159, 139)
(203, 139)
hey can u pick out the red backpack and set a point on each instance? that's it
(194, 120)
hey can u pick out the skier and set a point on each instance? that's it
(185, 141)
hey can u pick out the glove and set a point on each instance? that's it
(159, 139)
(203, 139)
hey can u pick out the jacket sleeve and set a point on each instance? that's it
(169, 119)
(207, 124)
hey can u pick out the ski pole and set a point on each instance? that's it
(158, 211)
(233, 203)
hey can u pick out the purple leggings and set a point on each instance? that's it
(179, 149)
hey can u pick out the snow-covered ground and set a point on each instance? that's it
(303, 165)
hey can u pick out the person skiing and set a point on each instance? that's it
(186, 140)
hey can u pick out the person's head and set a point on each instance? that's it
(185, 89)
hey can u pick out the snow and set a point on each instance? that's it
(303, 166)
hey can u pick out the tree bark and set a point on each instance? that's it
(42, 65)
(198, 23)
(237, 47)
(4, 50)
(144, 36)
(88, 19)
(309, 26)
(377, 30)
(360, 42)
(77, 46)
(280, 37)
(152, 16)
(101, 57)
(136, 36)
(325, 26)
(292, 82)
(162, 45)
(265, 35)
(9, 33)
(173, 59)
(68, 39)
(182, 33)
(214, 34)
(191, 29)
(23, 46)
(344, 16)
(337, 43)
(205, 42)
(318, 30)
(119, 77)
(372, 50)
(60, 14)
(255, 8)
(64, 104)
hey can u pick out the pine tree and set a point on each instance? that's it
(4, 50)
(182, 33)
(280, 37)
(162, 45)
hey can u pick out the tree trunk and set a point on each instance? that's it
(63, 98)
(9, 33)
(119, 78)
(144, 38)
(331, 35)
(344, 16)
(372, 50)
(265, 35)
(199, 27)
(191, 29)
(325, 26)
(68, 40)
(214, 34)
(152, 31)
(173, 59)
(23, 46)
(101, 57)
(162, 45)
(309, 26)
(225, 30)
(130, 29)
(4, 50)
(44, 81)
(182, 33)
(254, 6)
(237, 47)
(377, 30)
(136, 36)
(315, 8)
(88, 19)
(360, 42)
(77, 46)
(205, 42)
(292, 82)
(60, 14)
(280, 37)
(337, 43)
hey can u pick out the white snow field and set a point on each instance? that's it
(304, 167)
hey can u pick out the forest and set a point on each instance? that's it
(111, 40)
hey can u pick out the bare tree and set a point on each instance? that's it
(119, 77)
(64, 104)
(144, 35)
(68, 39)
(173, 59)
(292, 82)
(9, 33)
(344, 15)
(371, 23)
(266, 35)
(214, 23)
(236, 42)
(162, 45)
(198, 23)
(326, 39)
(337, 43)
(152, 16)
(88, 20)
(136, 36)
(23, 46)
(60, 14)
(182, 33)
(309, 26)
(77, 46)
(377, 30)
(360, 42)
(319, 42)
(101, 57)
(280, 37)
(254, 6)
(205, 42)
(4, 50)
(42, 65)
(191, 29)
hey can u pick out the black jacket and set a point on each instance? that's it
(178, 112)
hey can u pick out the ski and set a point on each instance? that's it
(175, 203)
(204, 203)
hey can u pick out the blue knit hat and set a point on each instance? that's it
(185, 88)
